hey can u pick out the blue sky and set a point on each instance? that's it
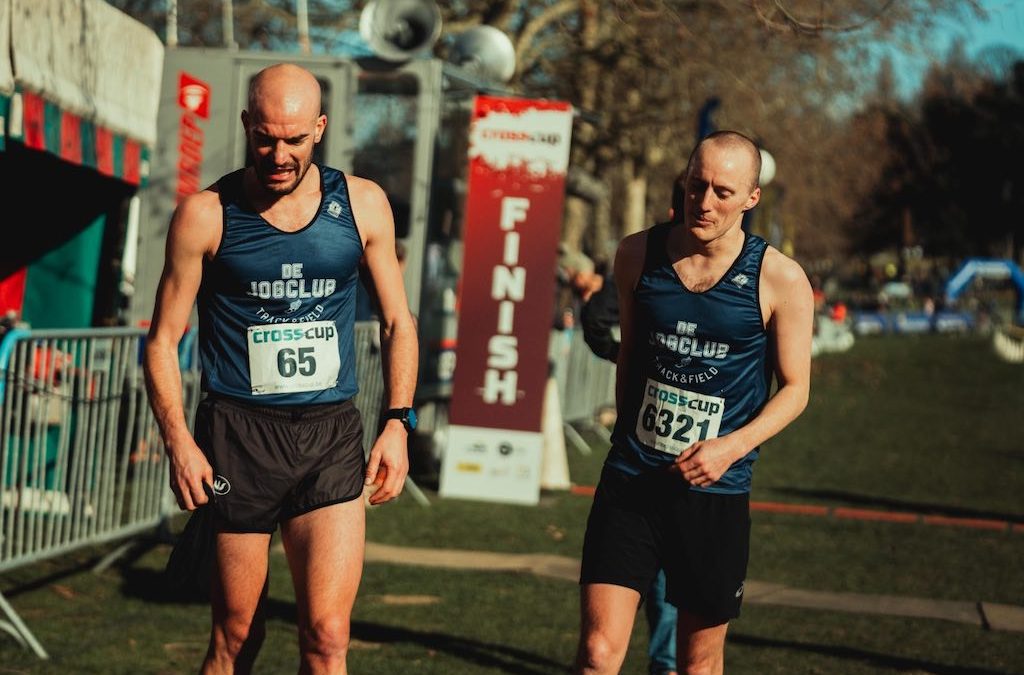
(1003, 27)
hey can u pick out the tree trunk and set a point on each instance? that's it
(575, 224)
(605, 238)
(576, 209)
(634, 208)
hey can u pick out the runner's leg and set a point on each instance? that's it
(700, 644)
(237, 590)
(325, 554)
(606, 620)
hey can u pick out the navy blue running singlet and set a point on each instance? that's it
(698, 368)
(276, 309)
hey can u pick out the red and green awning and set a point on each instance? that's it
(44, 126)
(81, 80)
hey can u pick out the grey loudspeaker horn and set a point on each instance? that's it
(397, 30)
(486, 51)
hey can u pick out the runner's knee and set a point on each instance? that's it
(328, 636)
(235, 634)
(701, 665)
(600, 653)
(700, 645)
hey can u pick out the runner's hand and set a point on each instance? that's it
(704, 462)
(388, 464)
(189, 470)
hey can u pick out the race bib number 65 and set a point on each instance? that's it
(673, 419)
(293, 357)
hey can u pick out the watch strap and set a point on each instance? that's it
(398, 414)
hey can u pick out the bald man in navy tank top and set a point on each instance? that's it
(271, 253)
(708, 316)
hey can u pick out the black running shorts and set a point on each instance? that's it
(272, 463)
(638, 524)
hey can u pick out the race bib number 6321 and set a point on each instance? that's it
(672, 419)
(293, 357)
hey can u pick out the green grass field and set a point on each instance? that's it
(928, 424)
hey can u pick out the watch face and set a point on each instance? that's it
(411, 418)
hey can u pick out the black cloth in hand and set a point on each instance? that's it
(190, 567)
(598, 318)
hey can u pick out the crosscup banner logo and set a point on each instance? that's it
(530, 137)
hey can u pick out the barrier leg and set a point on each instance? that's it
(19, 630)
(600, 431)
(110, 558)
(415, 491)
(576, 440)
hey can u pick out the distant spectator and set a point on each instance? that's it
(575, 284)
(929, 306)
(600, 321)
(838, 313)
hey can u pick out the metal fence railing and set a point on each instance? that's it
(81, 457)
(586, 385)
(370, 379)
(81, 460)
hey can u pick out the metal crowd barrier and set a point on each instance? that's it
(81, 461)
(370, 379)
(81, 457)
(586, 385)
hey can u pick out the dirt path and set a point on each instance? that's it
(987, 615)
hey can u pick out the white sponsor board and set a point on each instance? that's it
(498, 465)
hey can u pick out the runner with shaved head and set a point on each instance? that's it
(271, 253)
(708, 316)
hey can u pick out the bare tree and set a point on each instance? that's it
(790, 73)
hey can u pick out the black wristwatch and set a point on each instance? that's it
(407, 415)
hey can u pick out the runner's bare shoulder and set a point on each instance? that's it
(783, 280)
(199, 218)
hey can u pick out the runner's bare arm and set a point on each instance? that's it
(787, 293)
(194, 233)
(399, 342)
(788, 308)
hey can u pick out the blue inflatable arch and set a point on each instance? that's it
(987, 268)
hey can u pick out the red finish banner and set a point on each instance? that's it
(519, 154)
